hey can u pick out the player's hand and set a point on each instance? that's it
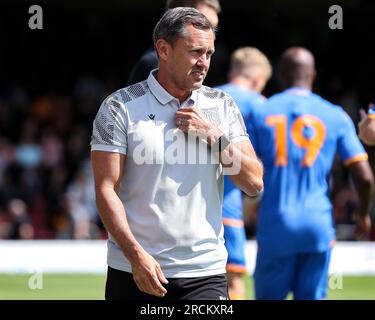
(366, 128)
(192, 120)
(148, 275)
(363, 226)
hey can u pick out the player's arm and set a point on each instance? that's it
(239, 159)
(245, 170)
(364, 183)
(108, 168)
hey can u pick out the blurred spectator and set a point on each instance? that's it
(77, 149)
(82, 205)
(28, 151)
(52, 148)
(345, 204)
(6, 156)
(88, 92)
(350, 103)
(19, 221)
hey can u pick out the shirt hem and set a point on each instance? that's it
(108, 148)
(172, 274)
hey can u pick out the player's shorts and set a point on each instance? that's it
(235, 238)
(304, 274)
(120, 285)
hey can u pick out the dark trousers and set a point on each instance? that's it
(120, 285)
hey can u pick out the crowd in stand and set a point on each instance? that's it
(46, 184)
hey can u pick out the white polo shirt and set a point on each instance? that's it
(172, 195)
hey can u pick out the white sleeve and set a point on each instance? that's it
(237, 128)
(109, 131)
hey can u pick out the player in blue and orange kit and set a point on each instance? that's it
(296, 134)
(248, 74)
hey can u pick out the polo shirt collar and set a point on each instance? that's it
(157, 90)
(162, 95)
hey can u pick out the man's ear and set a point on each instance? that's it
(163, 49)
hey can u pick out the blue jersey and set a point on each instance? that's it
(296, 134)
(246, 101)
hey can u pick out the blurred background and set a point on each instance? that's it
(53, 80)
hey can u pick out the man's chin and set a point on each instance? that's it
(196, 85)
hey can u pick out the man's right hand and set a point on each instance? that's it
(148, 275)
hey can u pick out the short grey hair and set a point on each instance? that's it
(214, 4)
(172, 24)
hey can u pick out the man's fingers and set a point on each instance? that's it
(161, 276)
(150, 285)
(157, 286)
(186, 110)
(183, 116)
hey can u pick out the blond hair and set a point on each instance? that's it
(245, 60)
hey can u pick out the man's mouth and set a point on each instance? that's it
(198, 73)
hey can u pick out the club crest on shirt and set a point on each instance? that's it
(212, 114)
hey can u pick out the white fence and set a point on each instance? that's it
(348, 258)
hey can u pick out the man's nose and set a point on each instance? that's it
(203, 61)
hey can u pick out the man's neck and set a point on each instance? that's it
(243, 83)
(301, 85)
(169, 86)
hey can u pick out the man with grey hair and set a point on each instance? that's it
(149, 60)
(163, 212)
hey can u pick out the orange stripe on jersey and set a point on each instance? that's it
(371, 116)
(236, 268)
(357, 158)
(233, 222)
